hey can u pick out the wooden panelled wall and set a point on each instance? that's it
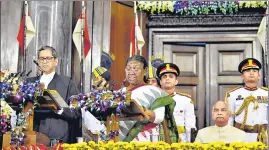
(121, 21)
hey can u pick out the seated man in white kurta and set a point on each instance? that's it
(221, 131)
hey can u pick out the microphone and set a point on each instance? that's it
(37, 74)
(8, 77)
(28, 73)
(36, 63)
(124, 83)
(22, 73)
(113, 84)
(20, 76)
(17, 74)
(14, 77)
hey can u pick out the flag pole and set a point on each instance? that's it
(24, 35)
(266, 45)
(267, 58)
(82, 49)
(136, 21)
(92, 41)
(141, 14)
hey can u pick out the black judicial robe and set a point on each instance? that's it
(66, 126)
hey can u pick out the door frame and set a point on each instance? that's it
(159, 36)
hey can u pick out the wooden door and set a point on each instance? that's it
(207, 72)
(222, 60)
(191, 62)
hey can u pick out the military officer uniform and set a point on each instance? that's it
(249, 106)
(184, 109)
(184, 115)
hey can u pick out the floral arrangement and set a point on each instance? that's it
(163, 146)
(109, 136)
(188, 7)
(5, 123)
(110, 145)
(102, 103)
(17, 91)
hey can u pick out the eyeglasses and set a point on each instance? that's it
(47, 59)
(135, 68)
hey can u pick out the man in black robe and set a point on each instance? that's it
(65, 124)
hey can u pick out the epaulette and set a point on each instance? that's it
(264, 88)
(228, 93)
(233, 89)
(187, 95)
(184, 94)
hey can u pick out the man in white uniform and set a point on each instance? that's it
(248, 104)
(184, 110)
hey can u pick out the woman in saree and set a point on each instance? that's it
(152, 98)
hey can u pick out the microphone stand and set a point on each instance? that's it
(112, 85)
(28, 73)
(8, 77)
(21, 75)
(124, 83)
(38, 74)
(11, 82)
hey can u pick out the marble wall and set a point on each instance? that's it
(10, 21)
(54, 22)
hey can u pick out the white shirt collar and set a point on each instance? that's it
(46, 78)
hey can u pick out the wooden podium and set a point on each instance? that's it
(132, 112)
(50, 100)
(30, 133)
